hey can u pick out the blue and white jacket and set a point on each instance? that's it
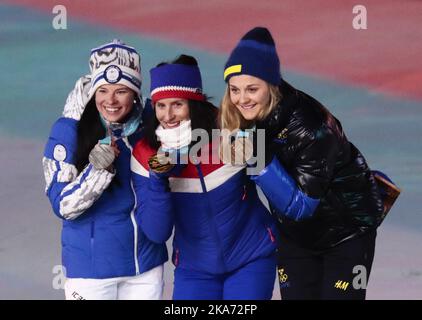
(100, 236)
(220, 224)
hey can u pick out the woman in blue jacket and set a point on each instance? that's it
(223, 245)
(87, 170)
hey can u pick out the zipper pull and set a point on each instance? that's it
(271, 234)
(244, 192)
(176, 258)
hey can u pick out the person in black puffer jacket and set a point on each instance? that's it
(317, 183)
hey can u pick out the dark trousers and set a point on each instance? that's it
(339, 273)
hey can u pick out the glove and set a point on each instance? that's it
(77, 98)
(168, 163)
(162, 167)
(246, 147)
(237, 148)
(102, 157)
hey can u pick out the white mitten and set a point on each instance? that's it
(77, 98)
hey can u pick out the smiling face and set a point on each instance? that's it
(171, 111)
(114, 101)
(250, 95)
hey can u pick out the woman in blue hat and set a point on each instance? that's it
(87, 171)
(318, 184)
(223, 244)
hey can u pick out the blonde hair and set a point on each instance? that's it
(229, 117)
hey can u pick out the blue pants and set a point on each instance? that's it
(253, 281)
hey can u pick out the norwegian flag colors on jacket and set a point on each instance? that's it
(220, 224)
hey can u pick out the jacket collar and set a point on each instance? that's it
(279, 117)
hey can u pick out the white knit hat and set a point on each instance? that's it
(115, 63)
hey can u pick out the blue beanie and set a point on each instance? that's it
(255, 55)
(176, 81)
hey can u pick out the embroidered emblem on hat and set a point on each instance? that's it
(112, 74)
(59, 152)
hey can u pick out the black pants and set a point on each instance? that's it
(338, 273)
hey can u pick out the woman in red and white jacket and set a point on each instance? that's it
(223, 245)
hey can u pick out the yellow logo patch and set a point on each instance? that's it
(282, 134)
(233, 69)
(342, 285)
(282, 276)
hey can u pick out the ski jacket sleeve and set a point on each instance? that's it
(70, 193)
(154, 207)
(295, 192)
